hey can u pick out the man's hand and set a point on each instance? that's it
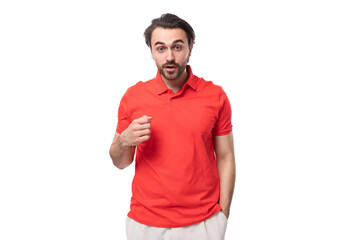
(138, 131)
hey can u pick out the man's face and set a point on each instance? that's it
(170, 51)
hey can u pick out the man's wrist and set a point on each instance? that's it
(226, 212)
(122, 140)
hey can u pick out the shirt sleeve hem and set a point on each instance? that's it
(223, 132)
(119, 131)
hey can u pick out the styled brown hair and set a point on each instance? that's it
(169, 20)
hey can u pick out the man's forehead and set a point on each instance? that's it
(168, 35)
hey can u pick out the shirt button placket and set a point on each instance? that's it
(170, 95)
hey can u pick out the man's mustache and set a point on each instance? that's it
(171, 63)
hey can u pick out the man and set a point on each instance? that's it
(177, 123)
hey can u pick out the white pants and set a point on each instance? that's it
(211, 229)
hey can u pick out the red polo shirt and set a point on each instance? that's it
(176, 181)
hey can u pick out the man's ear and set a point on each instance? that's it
(191, 47)
(151, 53)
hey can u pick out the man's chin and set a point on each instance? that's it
(170, 76)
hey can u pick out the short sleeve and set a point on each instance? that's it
(223, 125)
(123, 119)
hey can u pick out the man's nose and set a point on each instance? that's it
(170, 55)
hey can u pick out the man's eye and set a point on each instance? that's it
(177, 47)
(161, 49)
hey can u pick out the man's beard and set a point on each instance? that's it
(172, 75)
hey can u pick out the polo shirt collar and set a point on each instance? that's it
(163, 88)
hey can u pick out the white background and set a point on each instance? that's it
(290, 69)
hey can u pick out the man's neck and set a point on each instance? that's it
(177, 83)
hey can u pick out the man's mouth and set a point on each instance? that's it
(170, 67)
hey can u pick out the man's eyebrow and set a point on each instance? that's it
(161, 43)
(179, 40)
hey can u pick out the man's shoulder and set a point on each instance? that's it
(208, 86)
(139, 86)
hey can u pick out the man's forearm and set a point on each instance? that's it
(121, 155)
(226, 169)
